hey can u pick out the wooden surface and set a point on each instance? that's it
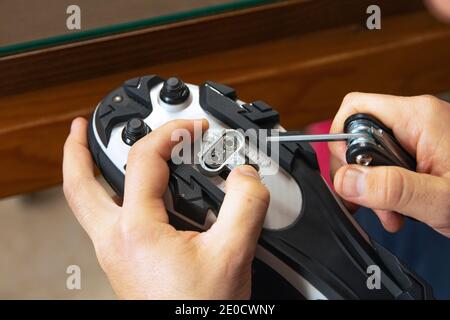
(303, 76)
(178, 41)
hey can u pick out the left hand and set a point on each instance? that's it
(144, 256)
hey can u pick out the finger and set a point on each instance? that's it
(395, 112)
(147, 171)
(335, 164)
(89, 201)
(338, 150)
(242, 213)
(391, 221)
(396, 189)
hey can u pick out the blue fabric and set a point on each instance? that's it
(417, 246)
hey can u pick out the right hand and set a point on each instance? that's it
(422, 126)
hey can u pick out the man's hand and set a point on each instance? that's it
(422, 126)
(142, 255)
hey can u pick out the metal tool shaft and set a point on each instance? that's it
(317, 137)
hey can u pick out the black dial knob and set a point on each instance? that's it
(174, 91)
(134, 130)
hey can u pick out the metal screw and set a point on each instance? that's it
(364, 159)
(230, 143)
(117, 98)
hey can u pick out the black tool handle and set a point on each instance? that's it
(379, 155)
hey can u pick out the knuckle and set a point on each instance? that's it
(68, 191)
(119, 241)
(428, 105)
(427, 100)
(73, 189)
(129, 231)
(67, 186)
(252, 190)
(351, 96)
(233, 259)
(389, 187)
(446, 199)
(264, 194)
(440, 219)
(70, 188)
(398, 191)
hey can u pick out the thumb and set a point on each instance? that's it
(243, 211)
(421, 196)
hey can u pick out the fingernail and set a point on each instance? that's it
(353, 182)
(248, 171)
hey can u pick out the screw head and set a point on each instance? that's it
(364, 159)
(117, 98)
(174, 91)
(134, 130)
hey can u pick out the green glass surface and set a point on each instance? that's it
(32, 38)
